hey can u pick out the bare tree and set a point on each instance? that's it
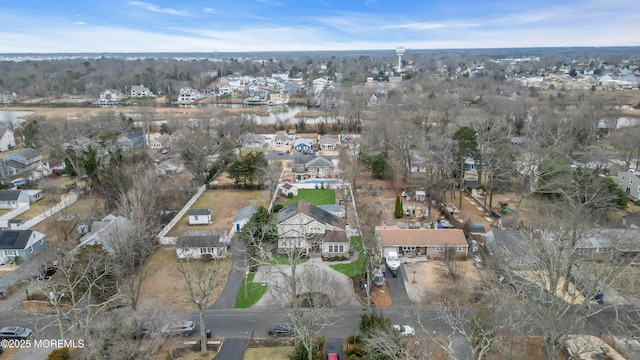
(202, 278)
(201, 151)
(453, 267)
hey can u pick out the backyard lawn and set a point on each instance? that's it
(268, 353)
(355, 267)
(315, 196)
(254, 292)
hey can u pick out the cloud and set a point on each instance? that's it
(80, 23)
(158, 9)
(209, 10)
(429, 26)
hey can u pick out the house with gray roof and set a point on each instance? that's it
(320, 166)
(199, 216)
(253, 141)
(13, 199)
(243, 217)
(327, 142)
(20, 243)
(307, 228)
(7, 139)
(106, 232)
(28, 157)
(196, 244)
(629, 182)
(281, 140)
(303, 145)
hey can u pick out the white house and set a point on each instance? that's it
(140, 91)
(195, 244)
(7, 140)
(281, 140)
(188, 95)
(289, 188)
(170, 166)
(242, 218)
(200, 216)
(630, 183)
(13, 199)
(327, 142)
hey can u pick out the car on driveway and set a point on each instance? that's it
(281, 329)
(405, 330)
(181, 328)
(15, 332)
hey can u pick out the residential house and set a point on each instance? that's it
(157, 141)
(179, 135)
(281, 140)
(278, 98)
(253, 141)
(200, 217)
(307, 228)
(348, 140)
(303, 145)
(28, 157)
(630, 183)
(242, 217)
(224, 89)
(13, 199)
(417, 163)
(195, 244)
(327, 143)
(140, 91)
(421, 242)
(7, 139)
(610, 243)
(288, 188)
(9, 168)
(188, 95)
(170, 166)
(20, 243)
(106, 232)
(132, 140)
(320, 167)
(109, 97)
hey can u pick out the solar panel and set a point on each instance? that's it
(8, 238)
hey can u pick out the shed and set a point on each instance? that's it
(200, 217)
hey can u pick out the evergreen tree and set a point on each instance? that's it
(398, 212)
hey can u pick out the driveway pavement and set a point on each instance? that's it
(232, 349)
(397, 288)
(314, 276)
(227, 298)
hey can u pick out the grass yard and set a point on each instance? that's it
(224, 205)
(355, 267)
(268, 353)
(57, 230)
(315, 196)
(254, 292)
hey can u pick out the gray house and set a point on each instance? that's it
(512, 247)
(630, 183)
(13, 199)
(20, 243)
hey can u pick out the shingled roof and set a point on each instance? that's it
(304, 207)
(395, 236)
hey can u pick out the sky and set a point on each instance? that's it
(71, 26)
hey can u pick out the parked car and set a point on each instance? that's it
(405, 330)
(332, 352)
(445, 224)
(182, 328)
(281, 329)
(15, 332)
(333, 356)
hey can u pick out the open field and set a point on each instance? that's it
(437, 285)
(165, 285)
(57, 230)
(268, 353)
(224, 205)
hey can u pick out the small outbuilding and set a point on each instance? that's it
(200, 217)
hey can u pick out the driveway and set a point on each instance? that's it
(232, 349)
(397, 288)
(227, 298)
(314, 276)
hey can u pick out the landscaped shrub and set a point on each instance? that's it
(290, 195)
(277, 208)
(398, 211)
(59, 354)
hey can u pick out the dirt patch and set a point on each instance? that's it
(165, 285)
(380, 296)
(224, 205)
(438, 287)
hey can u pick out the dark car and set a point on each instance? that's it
(281, 329)
(15, 332)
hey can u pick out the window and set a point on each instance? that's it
(41, 241)
(630, 180)
(341, 248)
(330, 248)
(583, 251)
(195, 217)
(30, 249)
(459, 248)
(439, 248)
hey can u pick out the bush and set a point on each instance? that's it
(59, 354)
(206, 257)
(277, 208)
(290, 195)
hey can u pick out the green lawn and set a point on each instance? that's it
(355, 267)
(315, 196)
(254, 292)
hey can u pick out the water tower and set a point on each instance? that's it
(400, 52)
